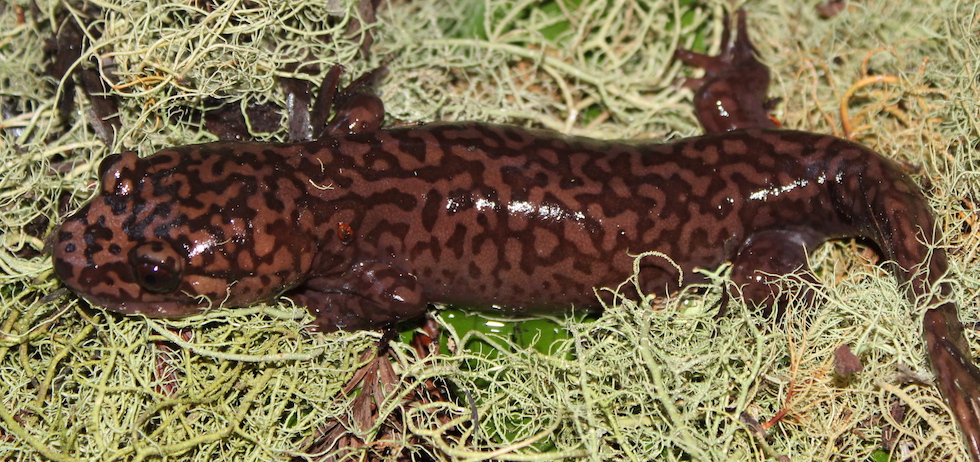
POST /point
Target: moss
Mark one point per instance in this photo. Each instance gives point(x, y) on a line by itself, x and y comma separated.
point(642, 384)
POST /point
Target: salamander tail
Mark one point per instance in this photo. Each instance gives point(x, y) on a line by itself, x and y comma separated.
point(957, 377)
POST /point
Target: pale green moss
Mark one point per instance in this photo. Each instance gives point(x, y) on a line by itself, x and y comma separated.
point(636, 384)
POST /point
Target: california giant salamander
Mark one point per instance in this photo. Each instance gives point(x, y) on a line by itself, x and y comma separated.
point(367, 226)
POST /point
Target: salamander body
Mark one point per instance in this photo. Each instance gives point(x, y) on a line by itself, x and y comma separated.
point(367, 228)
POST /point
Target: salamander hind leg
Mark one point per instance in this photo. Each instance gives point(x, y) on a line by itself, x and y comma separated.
point(760, 262)
point(371, 295)
point(732, 93)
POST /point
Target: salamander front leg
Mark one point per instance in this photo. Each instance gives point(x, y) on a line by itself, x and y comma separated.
point(369, 296)
point(357, 108)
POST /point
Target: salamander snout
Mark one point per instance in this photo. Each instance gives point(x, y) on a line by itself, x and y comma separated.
point(130, 276)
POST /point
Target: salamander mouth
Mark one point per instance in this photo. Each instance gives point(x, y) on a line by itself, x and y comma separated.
point(153, 309)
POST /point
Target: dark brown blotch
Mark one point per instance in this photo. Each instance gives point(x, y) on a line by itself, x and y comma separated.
point(457, 241)
point(474, 271)
point(431, 210)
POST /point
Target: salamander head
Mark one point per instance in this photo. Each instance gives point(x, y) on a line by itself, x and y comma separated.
point(168, 236)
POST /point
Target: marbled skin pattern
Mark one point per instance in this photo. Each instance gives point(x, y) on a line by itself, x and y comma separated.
point(365, 228)
point(469, 214)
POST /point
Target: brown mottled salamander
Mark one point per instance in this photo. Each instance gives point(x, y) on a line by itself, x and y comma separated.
point(366, 226)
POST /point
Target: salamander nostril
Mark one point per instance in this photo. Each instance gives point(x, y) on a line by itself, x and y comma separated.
point(63, 269)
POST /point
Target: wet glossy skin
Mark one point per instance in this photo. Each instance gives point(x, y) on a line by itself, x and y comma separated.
point(458, 213)
point(366, 228)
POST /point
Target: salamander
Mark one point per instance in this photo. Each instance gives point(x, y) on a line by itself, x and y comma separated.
point(366, 225)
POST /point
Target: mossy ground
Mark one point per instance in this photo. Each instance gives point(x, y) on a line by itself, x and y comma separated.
point(77, 383)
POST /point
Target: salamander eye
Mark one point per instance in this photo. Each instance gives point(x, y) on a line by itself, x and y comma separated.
point(107, 163)
point(120, 173)
point(156, 267)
